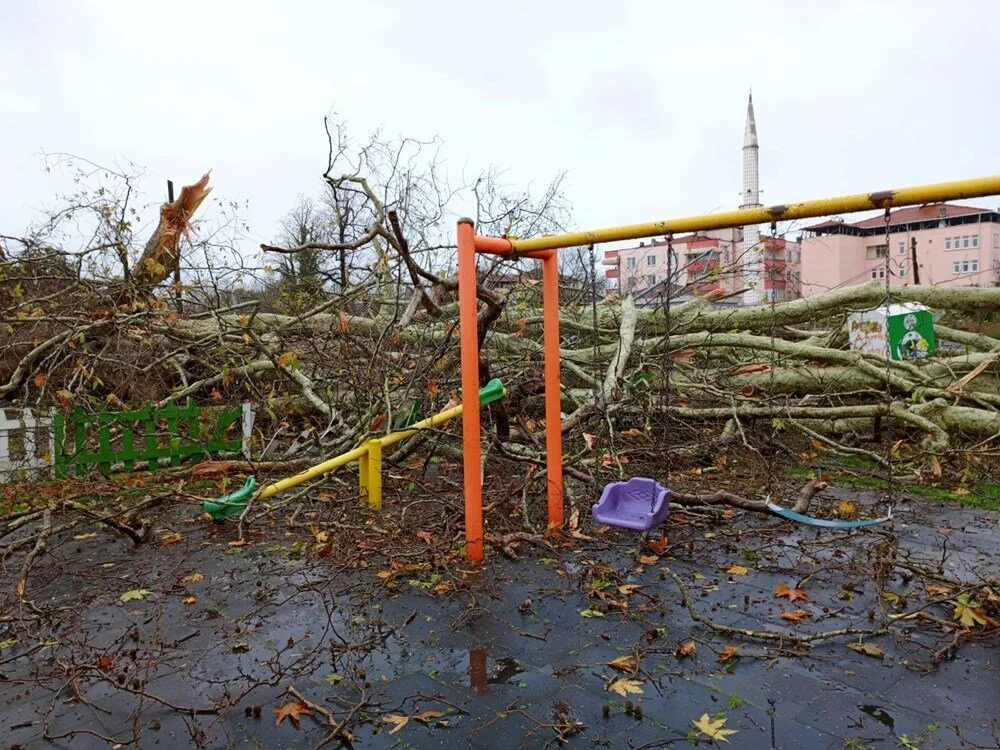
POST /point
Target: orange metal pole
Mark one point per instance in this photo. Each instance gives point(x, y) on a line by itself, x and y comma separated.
point(553, 394)
point(471, 460)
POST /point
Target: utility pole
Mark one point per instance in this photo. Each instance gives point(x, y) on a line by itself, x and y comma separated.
point(177, 268)
point(913, 257)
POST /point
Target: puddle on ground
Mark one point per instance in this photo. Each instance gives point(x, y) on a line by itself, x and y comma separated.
point(879, 714)
point(503, 671)
point(480, 677)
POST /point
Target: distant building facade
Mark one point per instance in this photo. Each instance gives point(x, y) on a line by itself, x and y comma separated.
point(954, 246)
point(703, 264)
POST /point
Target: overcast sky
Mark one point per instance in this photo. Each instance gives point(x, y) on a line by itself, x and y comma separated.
point(642, 103)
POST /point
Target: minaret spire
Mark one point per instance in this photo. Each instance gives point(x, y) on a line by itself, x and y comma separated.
point(750, 134)
point(752, 255)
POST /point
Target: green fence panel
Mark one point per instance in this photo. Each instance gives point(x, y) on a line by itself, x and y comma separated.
point(85, 440)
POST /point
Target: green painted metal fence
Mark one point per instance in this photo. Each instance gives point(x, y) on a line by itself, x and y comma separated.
point(167, 436)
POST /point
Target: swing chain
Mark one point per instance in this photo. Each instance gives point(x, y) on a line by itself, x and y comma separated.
point(666, 399)
point(888, 361)
point(773, 355)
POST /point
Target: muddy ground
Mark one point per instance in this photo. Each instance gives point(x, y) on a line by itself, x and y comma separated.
point(372, 631)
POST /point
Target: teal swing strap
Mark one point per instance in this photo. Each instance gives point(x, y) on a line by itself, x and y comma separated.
point(791, 515)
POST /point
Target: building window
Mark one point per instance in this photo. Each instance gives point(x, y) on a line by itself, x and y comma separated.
point(876, 251)
point(631, 262)
point(996, 239)
point(975, 240)
point(965, 266)
point(975, 266)
point(902, 248)
point(956, 267)
point(650, 260)
point(874, 274)
point(902, 272)
point(947, 243)
point(651, 279)
point(965, 241)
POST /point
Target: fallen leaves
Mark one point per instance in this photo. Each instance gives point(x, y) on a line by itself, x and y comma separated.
point(737, 570)
point(625, 687)
point(135, 595)
point(847, 509)
point(969, 613)
point(398, 721)
point(660, 545)
point(648, 559)
point(289, 359)
point(868, 649)
point(687, 648)
point(171, 538)
point(425, 536)
point(713, 728)
point(591, 613)
point(191, 599)
point(784, 590)
point(728, 653)
point(293, 710)
point(427, 716)
point(193, 578)
point(627, 663)
point(796, 615)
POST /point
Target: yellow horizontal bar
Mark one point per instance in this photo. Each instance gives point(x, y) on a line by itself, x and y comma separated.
point(443, 416)
point(912, 196)
point(313, 471)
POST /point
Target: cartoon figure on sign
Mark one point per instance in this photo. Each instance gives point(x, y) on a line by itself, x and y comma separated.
point(912, 346)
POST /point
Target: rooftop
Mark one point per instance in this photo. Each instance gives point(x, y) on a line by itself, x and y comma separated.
point(926, 214)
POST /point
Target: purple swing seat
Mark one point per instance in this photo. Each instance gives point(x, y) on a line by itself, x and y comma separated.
point(638, 504)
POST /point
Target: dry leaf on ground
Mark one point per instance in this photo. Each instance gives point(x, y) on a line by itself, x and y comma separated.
point(293, 710)
point(625, 686)
point(713, 728)
point(628, 663)
point(398, 721)
point(783, 589)
point(868, 649)
point(727, 653)
point(796, 615)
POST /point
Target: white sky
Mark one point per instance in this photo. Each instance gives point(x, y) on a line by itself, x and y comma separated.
point(641, 102)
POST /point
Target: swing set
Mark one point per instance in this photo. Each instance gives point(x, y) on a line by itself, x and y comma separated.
point(368, 455)
point(546, 248)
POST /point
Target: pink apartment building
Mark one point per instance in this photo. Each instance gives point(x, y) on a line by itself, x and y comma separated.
point(703, 264)
point(955, 246)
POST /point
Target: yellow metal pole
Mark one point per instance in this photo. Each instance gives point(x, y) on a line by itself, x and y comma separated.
point(375, 474)
point(363, 476)
point(911, 196)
